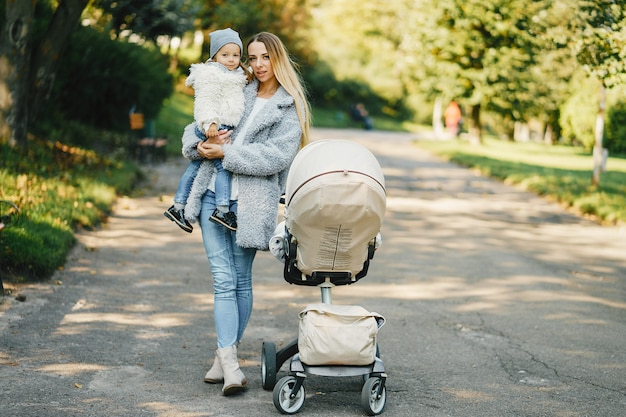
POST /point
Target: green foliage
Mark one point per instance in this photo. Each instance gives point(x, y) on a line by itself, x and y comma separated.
point(288, 19)
point(359, 56)
point(115, 144)
point(616, 129)
point(498, 55)
point(601, 46)
point(579, 112)
point(149, 18)
point(511, 58)
point(101, 80)
point(558, 172)
point(329, 85)
point(173, 117)
point(326, 90)
point(58, 189)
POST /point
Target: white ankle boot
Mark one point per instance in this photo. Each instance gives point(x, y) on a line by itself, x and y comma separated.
point(234, 380)
point(215, 374)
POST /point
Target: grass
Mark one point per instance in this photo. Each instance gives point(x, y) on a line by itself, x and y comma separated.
point(58, 190)
point(557, 172)
point(323, 117)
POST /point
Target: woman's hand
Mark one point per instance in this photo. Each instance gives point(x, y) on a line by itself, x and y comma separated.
point(212, 147)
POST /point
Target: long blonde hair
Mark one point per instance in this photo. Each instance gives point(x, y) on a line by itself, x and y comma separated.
point(288, 77)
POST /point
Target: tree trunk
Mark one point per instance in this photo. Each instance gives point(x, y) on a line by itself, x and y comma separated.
point(598, 151)
point(46, 58)
point(437, 119)
point(15, 52)
point(475, 129)
point(26, 77)
point(548, 135)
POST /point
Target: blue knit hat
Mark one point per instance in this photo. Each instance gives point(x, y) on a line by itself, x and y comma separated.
point(222, 37)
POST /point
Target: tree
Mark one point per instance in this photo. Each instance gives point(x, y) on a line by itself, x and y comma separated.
point(28, 71)
point(491, 55)
point(289, 19)
point(114, 77)
point(15, 49)
point(47, 56)
point(149, 18)
point(601, 49)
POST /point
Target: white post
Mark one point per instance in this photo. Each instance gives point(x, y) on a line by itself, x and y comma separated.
point(437, 122)
point(598, 150)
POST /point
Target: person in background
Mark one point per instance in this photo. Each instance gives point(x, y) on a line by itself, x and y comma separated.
point(452, 115)
point(258, 152)
point(359, 113)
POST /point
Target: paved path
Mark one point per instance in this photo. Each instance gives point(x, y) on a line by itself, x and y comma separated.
point(498, 303)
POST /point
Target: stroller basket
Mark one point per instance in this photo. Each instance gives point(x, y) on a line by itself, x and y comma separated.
point(334, 205)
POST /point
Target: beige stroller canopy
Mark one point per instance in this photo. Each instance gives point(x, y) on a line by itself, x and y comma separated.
point(334, 205)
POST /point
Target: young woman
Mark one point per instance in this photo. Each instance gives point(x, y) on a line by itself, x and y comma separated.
point(274, 126)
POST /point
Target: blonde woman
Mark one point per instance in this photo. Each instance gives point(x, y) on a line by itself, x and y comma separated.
point(259, 152)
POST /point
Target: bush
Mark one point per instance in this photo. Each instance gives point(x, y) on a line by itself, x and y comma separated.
point(101, 80)
point(578, 114)
point(616, 128)
point(116, 145)
point(327, 92)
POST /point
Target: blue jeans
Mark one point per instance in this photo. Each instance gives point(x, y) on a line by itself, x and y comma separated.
point(231, 267)
point(222, 178)
point(185, 182)
point(222, 184)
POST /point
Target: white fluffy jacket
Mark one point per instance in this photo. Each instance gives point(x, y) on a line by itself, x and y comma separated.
point(261, 161)
point(218, 94)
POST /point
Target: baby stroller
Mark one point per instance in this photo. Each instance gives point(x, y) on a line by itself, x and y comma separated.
point(334, 204)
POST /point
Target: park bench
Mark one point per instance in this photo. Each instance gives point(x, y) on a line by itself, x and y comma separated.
point(144, 147)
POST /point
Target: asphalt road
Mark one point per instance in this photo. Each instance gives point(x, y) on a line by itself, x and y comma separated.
point(498, 303)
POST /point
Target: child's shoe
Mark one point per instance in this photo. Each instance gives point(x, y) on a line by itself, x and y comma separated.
point(228, 220)
point(178, 217)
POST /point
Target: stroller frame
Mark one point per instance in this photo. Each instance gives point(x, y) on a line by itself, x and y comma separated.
point(289, 392)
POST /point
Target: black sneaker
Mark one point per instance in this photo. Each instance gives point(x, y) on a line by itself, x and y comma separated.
point(178, 217)
point(228, 220)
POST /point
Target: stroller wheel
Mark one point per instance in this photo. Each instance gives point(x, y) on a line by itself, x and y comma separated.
point(268, 365)
point(282, 396)
point(373, 403)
